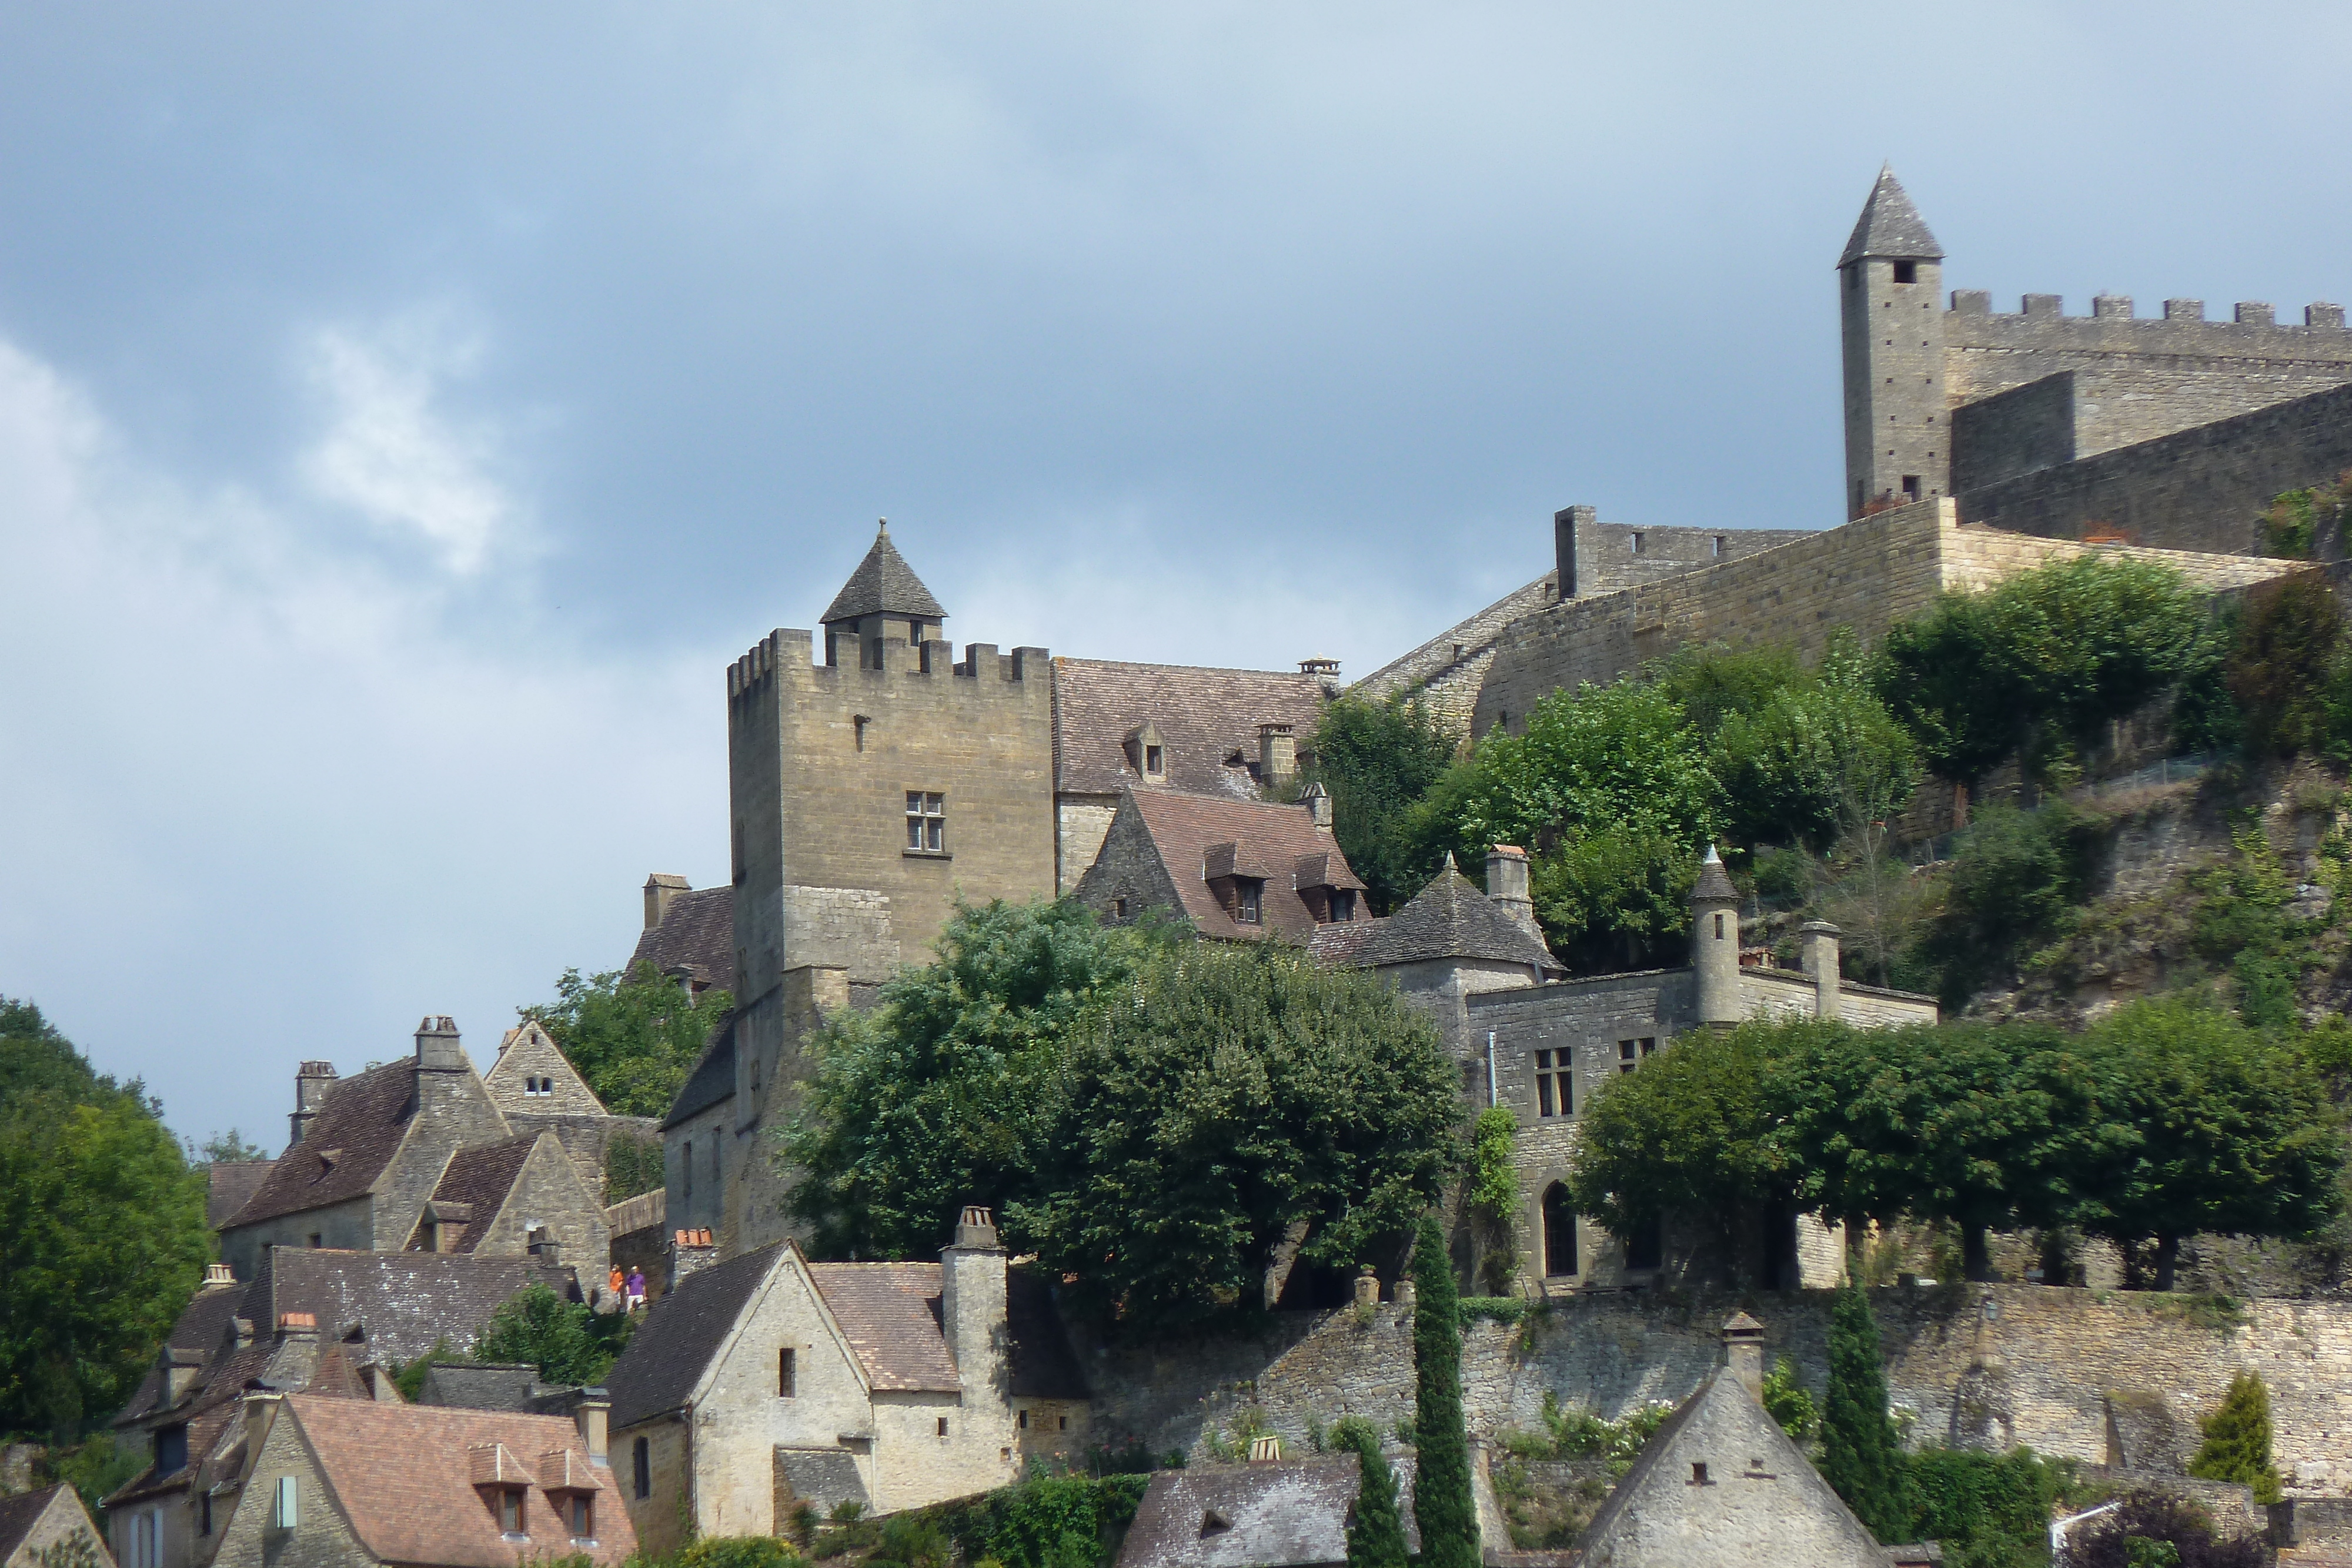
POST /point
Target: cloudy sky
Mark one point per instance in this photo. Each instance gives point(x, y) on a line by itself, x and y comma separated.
point(405, 412)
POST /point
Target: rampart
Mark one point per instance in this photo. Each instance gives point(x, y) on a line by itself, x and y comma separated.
point(2105, 1377)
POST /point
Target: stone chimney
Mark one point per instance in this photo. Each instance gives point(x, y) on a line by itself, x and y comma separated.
point(1277, 753)
point(260, 1409)
point(437, 1046)
point(972, 1307)
point(1317, 802)
point(1368, 1287)
point(689, 1251)
point(545, 1249)
point(218, 1274)
point(1506, 884)
point(1818, 946)
point(1715, 942)
point(311, 1081)
point(660, 889)
point(594, 1412)
point(1743, 1351)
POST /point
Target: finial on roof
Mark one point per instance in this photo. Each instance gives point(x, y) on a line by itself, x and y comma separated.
point(1710, 858)
point(1714, 884)
point(1448, 865)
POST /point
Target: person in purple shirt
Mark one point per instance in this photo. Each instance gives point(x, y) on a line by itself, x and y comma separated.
point(637, 1288)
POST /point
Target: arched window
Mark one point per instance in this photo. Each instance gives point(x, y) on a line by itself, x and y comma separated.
point(1559, 1232)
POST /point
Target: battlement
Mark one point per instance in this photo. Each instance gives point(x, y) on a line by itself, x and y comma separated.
point(2115, 325)
point(791, 650)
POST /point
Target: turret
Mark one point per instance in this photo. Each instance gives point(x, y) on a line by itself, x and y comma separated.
point(883, 605)
point(1715, 942)
point(1898, 438)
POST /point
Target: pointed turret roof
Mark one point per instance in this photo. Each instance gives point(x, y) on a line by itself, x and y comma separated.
point(883, 584)
point(1713, 882)
point(1451, 918)
point(1890, 225)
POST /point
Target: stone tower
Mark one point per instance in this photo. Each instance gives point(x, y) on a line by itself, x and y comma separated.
point(1715, 942)
point(1898, 443)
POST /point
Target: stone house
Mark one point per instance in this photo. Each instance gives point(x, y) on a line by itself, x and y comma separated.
point(537, 1089)
point(50, 1529)
point(1271, 1512)
point(418, 1156)
point(350, 1481)
point(766, 1381)
point(1238, 870)
point(689, 933)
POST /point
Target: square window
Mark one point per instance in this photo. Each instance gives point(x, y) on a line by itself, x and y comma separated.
point(1906, 272)
point(943, 1426)
point(926, 822)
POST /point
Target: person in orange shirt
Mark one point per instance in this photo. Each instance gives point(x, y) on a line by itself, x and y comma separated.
point(617, 1286)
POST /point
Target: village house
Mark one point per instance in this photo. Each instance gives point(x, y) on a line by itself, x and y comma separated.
point(50, 1529)
point(1234, 869)
point(767, 1382)
point(1271, 1512)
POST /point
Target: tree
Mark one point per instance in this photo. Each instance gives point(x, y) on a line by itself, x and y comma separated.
point(2214, 1128)
point(1235, 1109)
point(102, 1225)
point(2289, 637)
point(2236, 1446)
point(2016, 875)
point(1376, 1536)
point(941, 1096)
point(1818, 761)
point(226, 1148)
point(632, 1036)
point(1615, 896)
point(1441, 1443)
point(1494, 1194)
point(1861, 1456)
point(565, 1339)
point(1376, 758)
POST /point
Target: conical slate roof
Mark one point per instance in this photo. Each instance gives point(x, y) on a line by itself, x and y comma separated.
point(1890, 225)
point(1451, 918)
point(884, 584)
point(1713, 882)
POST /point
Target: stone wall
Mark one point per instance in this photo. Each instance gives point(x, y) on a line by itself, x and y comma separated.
point(2014, 431)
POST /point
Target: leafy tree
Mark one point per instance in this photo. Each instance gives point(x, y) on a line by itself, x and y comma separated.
point(941, 1096)
point(1441, 1443)
point(1861, 1456)
point(1377, 758)
point(632, 1036)
point(631, 1166)
point(1494, 1192)
point(102, 1224)
point(2152, 1528)
point(1786, 1400)
point(2290, 637)
point(226, 1148)
point(1376, 1533)
point(1818, 761)
point(2236, 1446)
point(2016, 877)
point(1616, 896)
point(2216, 1128)
point(1989, 1510)
point(1715, 683)
point(559, 1337)
point(1232, 1108)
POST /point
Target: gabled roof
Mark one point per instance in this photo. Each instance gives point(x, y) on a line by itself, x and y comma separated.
point(483, 1176)
point(403, 1478)
point(1450, 918)
point(681, 1334)
point(202, 1326)
point(357, 1130)
point(229, 1185)
point(713, 1078)
point(1277, 1514)
point(19, 1515)
point(883, 584)
point(1890, 225)
point(889, 1314)
point(696, 931)
point(1200, 836)
point(1204, 717)
point(403, 1302)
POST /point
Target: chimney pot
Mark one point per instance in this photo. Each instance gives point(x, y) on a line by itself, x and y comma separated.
point(219, 1274)
point(439, 1047)
point(1264, 1450)
point(1367, 1288)
point(1318, 801)
point(1743, 1349)
point(662, 890)
point(1507, 886)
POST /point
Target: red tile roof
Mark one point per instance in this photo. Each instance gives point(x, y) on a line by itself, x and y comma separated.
point(890, 1315)
point(1200, 836)
point(1204, 717)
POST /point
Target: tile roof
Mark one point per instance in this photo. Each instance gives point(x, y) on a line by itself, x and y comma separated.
point(1890, 225)
point(403, 1302)
point(1450, 918)
point(1279, 1514)
point(1196, 835)
point(357, 1130)
point(19, 1514)
point(229, 1183)
point(698, 930)
point(713, 1078)
point(483, 1176)
point(883, 584)
point(481, 1385)
point(402, 1478)
point(1204, 717)
point(202, 1326)
point(681, 1334)
point(889, 1312)
point(1341, 946)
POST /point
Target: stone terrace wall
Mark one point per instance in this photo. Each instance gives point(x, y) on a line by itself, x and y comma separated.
point(2092, 1376)
point(1446, 671)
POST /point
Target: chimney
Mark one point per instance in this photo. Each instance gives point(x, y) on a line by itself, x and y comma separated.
point(1506, 884)
point(688, 1251)
point(1743, 1351)
point(1564, 525)
point(1368, 1287)
point(218, 1274)
point(971, 1306)
point(1277, 753)
point(594, 1412)
point(1715, 942)
point(260, 1409)
point(311, 1081)
point(297, 1325)
point(1317, 802)
point(437, 1047)
point(1818, 944)
point(1265, 1450)
point(660, 889)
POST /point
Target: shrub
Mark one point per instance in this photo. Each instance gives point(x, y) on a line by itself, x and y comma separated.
point(738, 1551)
point(2124, 1538)
point(2236, 1446)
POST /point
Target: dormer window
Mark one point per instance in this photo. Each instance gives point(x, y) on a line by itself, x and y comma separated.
point(1147, 751)
point(1343, 905)
point(583, 1516)
point(1155, 760)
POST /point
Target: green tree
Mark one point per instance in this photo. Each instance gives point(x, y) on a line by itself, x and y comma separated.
point(631, 1166)
point(632, 1036)
point(2236, 1446)
point(1819, 762)
point(1235, 1109)
point(1376, 1533)
point(538, 1327)
point(1376, 758)
point(1786, 1400)
point(224, 1149)
point(102, 1224)
point(1861, 1456)
point(1715, 683)
point(1494, 1194)
point(2290, 639)
point(2015, 880)
point(2215, 1127)
point(1615, 896)
point(941, 1096)
point(1441, 1442)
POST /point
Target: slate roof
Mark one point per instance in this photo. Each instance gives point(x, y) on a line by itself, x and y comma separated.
point(889, 1312)
point(1450, 918)
point(481, 1385)
point(697, 930)
point(403, 1478)
point(1341, 946)
point(681, 1332)
point(483, 1176)
point(1204, 717)
point(1713, 882)
point(229, 1183)
point(713, 1078)
point(19, 1514)
point(883, 584)
point(202, 1326)
point(1890, 225)
point(403, 1302)
point(1285, 1513)
point(1258, 837)
point(357, 1130)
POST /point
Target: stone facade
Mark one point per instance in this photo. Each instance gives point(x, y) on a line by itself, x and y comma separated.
point(47, 1522)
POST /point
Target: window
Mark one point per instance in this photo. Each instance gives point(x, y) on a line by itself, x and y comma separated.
point(171, 1450)
point(641, 1460)
point(1119, 909)
point(1558, 1233)
point(1906, 272)
point(1155, 760)
point(787, 1374)
point(1024, 1421)
point(714, 1162)
point(1718, 924)
point(1343, 907)
point(285, 1504)
point(1637, 544)
point(1718, 544)
point(1625, 1049)
point(583, 1517)
point(686, 1164)
point(1249, 900)
point(943, 1426)
point(1554, 1095)
point(1062, 1423)
point(203, 1513)
point(1698, 1466)
point(318, 1239)
point(927, 824)
point(1910, 487)
point(511, 1510)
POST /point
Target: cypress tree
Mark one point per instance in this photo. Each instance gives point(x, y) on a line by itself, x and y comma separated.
point(2236, 1446)
point(1440, 1488)
point(1860, 1455)
point(1376, 1534)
